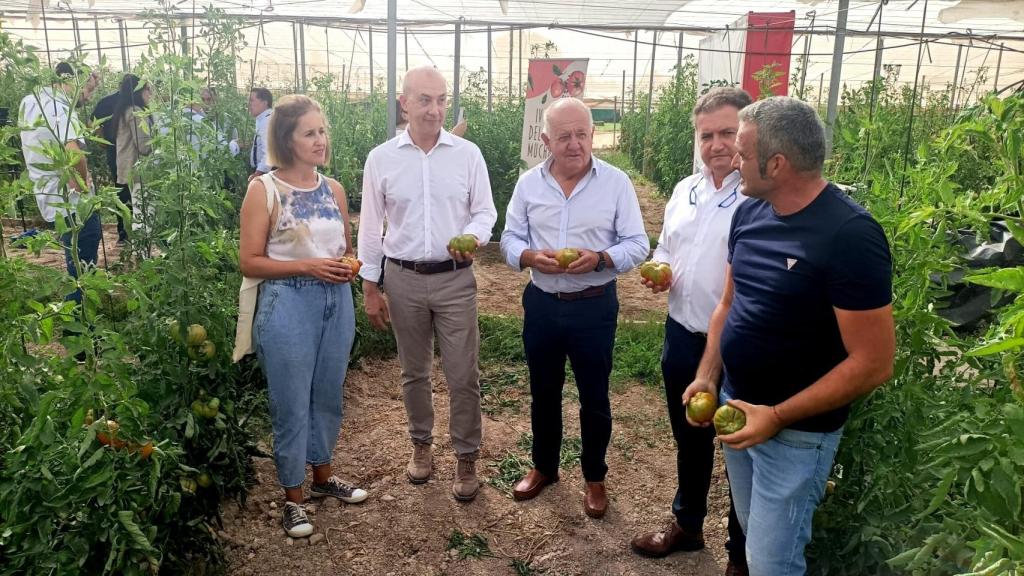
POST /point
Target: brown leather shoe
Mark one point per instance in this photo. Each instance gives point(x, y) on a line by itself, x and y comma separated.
point(530, 485)
point(736, 570)
point(595, 500)
point(672, 539)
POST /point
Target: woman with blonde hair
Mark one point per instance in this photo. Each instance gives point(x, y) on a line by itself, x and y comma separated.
point(304, 324)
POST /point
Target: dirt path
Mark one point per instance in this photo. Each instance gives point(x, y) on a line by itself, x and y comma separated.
point(108, 253)
point(404, 529)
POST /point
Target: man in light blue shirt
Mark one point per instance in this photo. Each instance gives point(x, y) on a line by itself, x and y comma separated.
point(261, 103)
point(578, 202)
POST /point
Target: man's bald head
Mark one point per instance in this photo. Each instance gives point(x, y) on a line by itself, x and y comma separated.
point(416, 78)
point(565, 108)
point(425, 100)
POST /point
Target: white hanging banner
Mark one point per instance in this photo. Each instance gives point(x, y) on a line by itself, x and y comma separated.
point(548, 80)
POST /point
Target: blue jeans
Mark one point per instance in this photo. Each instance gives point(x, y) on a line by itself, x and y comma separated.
point(776, 486)
point(88, 248)
point(303, 331)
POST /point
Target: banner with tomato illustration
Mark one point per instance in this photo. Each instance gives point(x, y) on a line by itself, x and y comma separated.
point(548, 79)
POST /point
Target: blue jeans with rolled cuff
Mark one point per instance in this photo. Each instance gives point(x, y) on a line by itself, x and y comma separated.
point(303, 330)
point(776, 487)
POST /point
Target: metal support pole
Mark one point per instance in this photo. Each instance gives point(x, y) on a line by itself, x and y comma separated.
point(807, 54)
point(78, 33)
point(46, 34)
point(875, 80)
point(351, 60)
point(406, 34)
point(458, 64)
point(837, 74)
point(636, 46)
point(963, 77)
point(489, 70)
point(623, 100)
point(879, 49)
point(679, 52)
point(327, 47)
point(511, 44)
point(122, 35)
point(393, 64)
point(371, 62)
point(999, 67)
point(913, 102)
point(520, 62)
point(184, 40)
point(956, 78)
point(650, 83)
point(302, 54)
point(615, 121)
point(99, 49)
point(821, 89)
point(295, 58)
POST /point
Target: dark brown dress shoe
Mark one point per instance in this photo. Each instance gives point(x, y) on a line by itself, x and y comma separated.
point(736, 570)
point(531, 484)
point(672, 539)
point(595, 500)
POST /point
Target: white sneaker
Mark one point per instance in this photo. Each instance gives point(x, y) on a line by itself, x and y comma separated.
point(296, 523)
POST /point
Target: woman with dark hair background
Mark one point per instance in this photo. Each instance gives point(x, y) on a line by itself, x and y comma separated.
point(133, 141)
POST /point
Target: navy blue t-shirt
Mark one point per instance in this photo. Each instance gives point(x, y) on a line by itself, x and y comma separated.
point(789, 272)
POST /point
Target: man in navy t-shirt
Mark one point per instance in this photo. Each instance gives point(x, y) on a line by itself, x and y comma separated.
point(804, 327)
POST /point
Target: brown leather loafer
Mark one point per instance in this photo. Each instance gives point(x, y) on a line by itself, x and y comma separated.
point(672, 539)
point(595, 500)
point(736, 570)
point(531, 484)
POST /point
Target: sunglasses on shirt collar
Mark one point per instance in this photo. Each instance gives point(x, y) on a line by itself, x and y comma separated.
point(729, 200)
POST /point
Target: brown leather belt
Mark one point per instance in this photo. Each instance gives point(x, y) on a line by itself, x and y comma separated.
point(431, 267)
point(592, 292)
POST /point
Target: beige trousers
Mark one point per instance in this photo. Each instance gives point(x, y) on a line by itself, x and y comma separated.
point(422, 305)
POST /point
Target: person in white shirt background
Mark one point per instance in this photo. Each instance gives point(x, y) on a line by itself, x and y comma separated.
point(430, 186)
point(47, 116)
point(261, 103)
point(694, 242)
point(572, 200)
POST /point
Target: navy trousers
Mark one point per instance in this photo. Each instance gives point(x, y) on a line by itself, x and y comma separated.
point(695, 448)
point(583, 331)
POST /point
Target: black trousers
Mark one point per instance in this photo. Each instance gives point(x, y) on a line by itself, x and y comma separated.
point(124, 194)
point(695, 448)
point(584, 332)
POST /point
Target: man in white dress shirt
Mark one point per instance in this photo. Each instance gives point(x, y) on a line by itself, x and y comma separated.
point(430, 186)
point(261, 103)
point(572, 200)
point(46, 118)
point(694, 242)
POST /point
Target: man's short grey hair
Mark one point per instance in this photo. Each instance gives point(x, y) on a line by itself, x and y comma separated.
point(720, 97)
point(561, 104)
point(789, 127)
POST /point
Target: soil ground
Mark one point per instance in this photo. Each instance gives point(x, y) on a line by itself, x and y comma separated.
point(404, 529)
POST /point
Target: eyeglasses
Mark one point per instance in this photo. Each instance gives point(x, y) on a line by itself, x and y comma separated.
point(729, 200)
